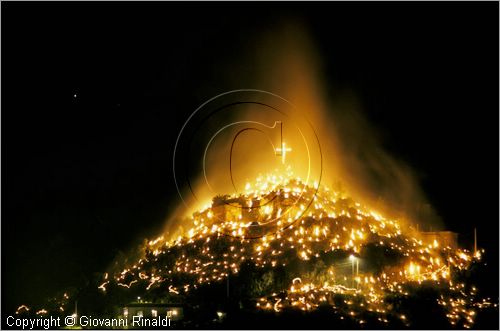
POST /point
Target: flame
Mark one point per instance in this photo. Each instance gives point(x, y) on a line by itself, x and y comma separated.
point(330, 223)
point(305, 223)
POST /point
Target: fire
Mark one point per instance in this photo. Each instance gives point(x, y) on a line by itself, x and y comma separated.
point(316, 224)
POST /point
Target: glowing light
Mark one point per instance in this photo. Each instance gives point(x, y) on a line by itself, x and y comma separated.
point(21, 308)
point(282, 151)
point(332, 224)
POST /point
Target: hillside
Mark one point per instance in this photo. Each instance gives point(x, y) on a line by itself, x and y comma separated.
point(289, 246)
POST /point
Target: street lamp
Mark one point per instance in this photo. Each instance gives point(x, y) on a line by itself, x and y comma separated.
point(354, 260)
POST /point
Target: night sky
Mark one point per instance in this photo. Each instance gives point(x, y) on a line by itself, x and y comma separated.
point(93, 96)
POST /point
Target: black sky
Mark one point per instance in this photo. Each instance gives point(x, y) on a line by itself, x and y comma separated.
point(93, 96)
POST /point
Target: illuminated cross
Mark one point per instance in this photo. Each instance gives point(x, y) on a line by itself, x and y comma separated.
point(282, 152)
